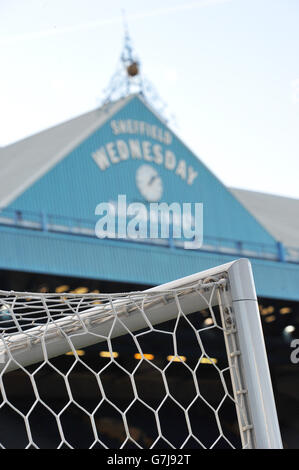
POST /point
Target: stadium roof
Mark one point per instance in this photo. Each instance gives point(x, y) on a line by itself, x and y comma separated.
point(25, 161)
point(278, 214)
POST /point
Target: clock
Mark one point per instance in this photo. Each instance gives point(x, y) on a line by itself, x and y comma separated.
point(149, 183)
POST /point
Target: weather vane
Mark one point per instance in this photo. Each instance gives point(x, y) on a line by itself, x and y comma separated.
point(128, 79)
point(128, 58)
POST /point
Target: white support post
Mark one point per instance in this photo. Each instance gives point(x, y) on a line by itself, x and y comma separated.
point(254, 357)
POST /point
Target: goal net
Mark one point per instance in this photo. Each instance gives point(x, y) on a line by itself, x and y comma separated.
point(182, 365)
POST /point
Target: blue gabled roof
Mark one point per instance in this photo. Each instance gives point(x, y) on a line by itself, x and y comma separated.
point(59, 195)
point(75, 184)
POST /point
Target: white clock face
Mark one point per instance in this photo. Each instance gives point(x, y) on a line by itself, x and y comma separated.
point(149, 183)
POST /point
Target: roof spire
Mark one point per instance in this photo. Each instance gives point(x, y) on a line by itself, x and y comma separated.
point(128, 78)
point(128, 58)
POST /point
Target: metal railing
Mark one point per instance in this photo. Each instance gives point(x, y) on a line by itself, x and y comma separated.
point(86, 227)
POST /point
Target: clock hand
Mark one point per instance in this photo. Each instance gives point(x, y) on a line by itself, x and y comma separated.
point(152, 180)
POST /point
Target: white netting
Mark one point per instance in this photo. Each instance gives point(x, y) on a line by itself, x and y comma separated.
point(154, 369)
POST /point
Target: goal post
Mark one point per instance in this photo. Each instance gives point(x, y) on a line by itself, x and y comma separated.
point(254, 357)
point(38, 330)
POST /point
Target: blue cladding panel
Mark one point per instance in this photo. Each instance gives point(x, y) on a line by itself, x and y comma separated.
point(66, 255)
point(75, 186)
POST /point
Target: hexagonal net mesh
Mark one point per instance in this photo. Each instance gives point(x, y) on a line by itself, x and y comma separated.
point(153, 369)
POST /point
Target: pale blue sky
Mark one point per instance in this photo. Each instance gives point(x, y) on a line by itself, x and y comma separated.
point(228, 70)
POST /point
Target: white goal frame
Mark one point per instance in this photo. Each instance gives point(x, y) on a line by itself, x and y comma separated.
point(243, 336)
point(245, 314)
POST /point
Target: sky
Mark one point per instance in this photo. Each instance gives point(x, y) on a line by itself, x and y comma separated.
point(227, 69)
